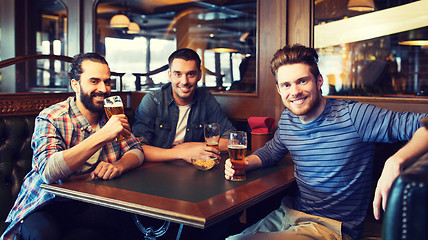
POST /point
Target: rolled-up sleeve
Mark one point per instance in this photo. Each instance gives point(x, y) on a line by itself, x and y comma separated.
point(45, 143)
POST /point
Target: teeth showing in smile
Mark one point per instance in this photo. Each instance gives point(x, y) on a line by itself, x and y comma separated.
point(184, 89)
point(298, 101)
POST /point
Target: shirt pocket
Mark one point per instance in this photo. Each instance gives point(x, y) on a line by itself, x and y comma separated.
point(163, 125)
point(197, 132)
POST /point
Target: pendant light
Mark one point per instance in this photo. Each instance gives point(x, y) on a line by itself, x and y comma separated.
point(119, 21)
point(133, 28)
point(361, 5)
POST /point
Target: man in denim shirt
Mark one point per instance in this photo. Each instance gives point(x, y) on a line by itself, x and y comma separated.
point(170, 121)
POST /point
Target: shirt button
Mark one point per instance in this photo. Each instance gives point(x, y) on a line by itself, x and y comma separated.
point(187, 129)
point(161, 125)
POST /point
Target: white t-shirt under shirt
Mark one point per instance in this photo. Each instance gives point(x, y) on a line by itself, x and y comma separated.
point(183, 117)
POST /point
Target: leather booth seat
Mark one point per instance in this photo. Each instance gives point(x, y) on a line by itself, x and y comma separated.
point(406, 215)
point(15, 159)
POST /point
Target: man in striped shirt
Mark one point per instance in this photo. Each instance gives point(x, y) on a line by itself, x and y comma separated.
point(332, 145)
point(73, 138)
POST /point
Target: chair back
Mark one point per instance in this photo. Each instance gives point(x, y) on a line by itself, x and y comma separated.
point(406, 215)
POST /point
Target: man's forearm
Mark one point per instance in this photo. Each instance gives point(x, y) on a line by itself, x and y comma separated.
point(254, 162)
point(74, 157)
point(155, 154)
point(415, 148)
point(130, 160)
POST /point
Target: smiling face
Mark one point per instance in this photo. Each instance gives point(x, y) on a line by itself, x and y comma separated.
point(93, 86)
point(184, 76)
point(300, 91)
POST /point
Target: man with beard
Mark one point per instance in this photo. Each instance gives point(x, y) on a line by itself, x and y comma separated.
point(170, 122)
point(331, 142)
point(72, 138)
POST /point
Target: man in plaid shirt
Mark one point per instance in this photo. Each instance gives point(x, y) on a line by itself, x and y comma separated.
point(73, 138)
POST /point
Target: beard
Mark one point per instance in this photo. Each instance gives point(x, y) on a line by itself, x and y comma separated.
point(88, 101)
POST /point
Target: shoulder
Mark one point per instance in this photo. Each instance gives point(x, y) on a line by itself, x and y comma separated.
point(57, 110)
point(346, 105)
point(203, 94)
point(162, 94)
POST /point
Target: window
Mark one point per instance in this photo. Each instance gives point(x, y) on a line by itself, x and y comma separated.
point(368, 53)
point(222, 33)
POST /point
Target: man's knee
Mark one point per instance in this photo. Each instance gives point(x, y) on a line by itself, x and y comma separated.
point(40, 225)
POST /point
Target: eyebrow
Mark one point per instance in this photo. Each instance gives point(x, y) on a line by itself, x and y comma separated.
point(99, 79)
point(192, 72)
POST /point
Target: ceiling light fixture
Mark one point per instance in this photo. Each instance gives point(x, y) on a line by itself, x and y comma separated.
point(416, 37)
point(119, 21)
point(133, 28)
point(361, 5)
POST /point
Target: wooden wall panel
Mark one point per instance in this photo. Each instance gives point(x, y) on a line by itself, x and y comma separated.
point(300, 22)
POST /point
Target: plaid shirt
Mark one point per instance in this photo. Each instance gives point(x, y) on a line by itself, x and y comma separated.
point(57, 128)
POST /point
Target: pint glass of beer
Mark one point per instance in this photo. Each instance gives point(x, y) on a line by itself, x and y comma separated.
point(113, 105)
point(237, 147)
point(212, 134)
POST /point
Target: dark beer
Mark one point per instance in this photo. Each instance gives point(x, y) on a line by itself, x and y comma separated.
point(237, 154)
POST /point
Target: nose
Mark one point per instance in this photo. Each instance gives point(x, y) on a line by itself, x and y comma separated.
point(102, 87)
point(184, 79)
point(295, 90)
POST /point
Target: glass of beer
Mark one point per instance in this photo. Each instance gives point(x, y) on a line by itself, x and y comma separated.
point(113, 105)
point(212, 134)
point(237, 147)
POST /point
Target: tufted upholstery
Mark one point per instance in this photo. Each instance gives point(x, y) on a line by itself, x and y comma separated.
point(15, 159)
point(406, 215)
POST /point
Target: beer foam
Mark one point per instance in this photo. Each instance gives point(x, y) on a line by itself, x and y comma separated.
point(115, 104)
point(236, 146)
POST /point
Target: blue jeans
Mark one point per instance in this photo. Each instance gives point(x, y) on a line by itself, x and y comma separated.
point(68, 219)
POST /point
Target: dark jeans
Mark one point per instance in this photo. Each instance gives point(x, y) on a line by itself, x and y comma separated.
point(68, 219)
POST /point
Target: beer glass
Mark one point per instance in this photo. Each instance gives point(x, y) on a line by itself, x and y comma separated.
point(237, 147)
point(113, 105)
point(212, 134)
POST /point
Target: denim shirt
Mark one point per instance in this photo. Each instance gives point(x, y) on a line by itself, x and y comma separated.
point(157, 115)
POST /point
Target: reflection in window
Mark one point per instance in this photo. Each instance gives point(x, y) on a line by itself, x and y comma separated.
point(51, 39)
point(364, 53)
point(222, 32)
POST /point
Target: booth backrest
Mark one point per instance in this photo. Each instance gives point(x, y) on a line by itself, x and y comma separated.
point(406, 215)
point(15, 158)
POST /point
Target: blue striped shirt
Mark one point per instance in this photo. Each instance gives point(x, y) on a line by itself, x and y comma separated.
point(333, 156)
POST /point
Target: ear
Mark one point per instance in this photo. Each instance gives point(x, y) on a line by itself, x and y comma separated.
point(75, 85)
point(277, 88)
point(169, 74)
point(320, 81)
point(199, 75)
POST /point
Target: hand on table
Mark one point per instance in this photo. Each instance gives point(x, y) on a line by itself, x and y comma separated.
point(106, 171)
point(229, 171)
point(189, 149)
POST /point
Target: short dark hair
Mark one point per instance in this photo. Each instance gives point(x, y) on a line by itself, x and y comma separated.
point(76, 65)
point(295, 54)
point(186, 54)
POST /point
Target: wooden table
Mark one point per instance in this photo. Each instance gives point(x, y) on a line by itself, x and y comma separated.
point(178, 192)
